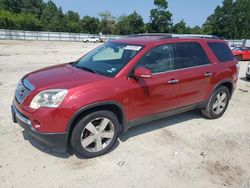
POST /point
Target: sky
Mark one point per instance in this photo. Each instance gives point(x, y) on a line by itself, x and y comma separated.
point(194, 12)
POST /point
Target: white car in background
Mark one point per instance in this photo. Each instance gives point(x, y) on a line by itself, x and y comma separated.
point(248, 72)
point(92, 39)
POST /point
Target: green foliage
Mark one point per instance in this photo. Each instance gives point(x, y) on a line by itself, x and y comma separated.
point(231, 20)
point(72, 22)
point(160, 17)
point(90, 25)
point(195, 30)
point(23, 21)
point(34, 7)
point(131, 24)
point(7, 20)
point(52, 17)
point(107, 23)
point(27, 21)
point(180, 28)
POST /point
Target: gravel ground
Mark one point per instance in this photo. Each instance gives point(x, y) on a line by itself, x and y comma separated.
point(186, 150)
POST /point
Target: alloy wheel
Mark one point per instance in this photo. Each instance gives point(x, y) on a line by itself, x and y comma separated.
point(97, 134)
point(220, 102)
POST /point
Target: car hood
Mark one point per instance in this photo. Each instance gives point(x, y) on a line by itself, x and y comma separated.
point(63, 76)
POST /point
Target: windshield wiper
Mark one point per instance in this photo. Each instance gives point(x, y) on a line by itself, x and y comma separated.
point(87, 69)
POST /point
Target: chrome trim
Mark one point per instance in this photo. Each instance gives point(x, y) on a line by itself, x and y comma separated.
point(181, 69)
point(23, 89)
point(28, 85)
point(21, 117)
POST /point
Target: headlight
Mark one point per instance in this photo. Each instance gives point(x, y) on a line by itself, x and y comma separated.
point(49, 98)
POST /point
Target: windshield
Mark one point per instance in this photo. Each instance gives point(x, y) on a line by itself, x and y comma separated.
point(108, 59)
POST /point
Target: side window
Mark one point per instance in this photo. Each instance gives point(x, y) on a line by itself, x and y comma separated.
point(189, 54)
point(159, 59)
point(221, 51)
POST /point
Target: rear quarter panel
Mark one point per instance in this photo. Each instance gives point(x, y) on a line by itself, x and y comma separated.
point(222, 71)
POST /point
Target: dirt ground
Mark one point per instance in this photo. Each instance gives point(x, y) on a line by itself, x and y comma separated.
point(186, 150)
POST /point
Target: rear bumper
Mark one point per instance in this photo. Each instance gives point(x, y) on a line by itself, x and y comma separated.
point(49, 139)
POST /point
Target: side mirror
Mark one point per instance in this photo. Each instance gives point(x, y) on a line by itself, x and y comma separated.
point(142, 72)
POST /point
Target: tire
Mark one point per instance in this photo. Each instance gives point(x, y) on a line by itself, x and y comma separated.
point(88, 138)
point(247, 77)
point(238, 57)
point(216, 105)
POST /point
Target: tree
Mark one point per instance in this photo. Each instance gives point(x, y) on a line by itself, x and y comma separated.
point(136, 23)
point(71, 22)
point(242, 19)
point(160, 17)
point(24, 21)
point(231, 20)
point(90, 25)
point(107, 24)
point(34, 7)
point(28, 21)
point(196, 30)
point(11, 5)
point(130, 24)
point(180, 28)
point(7, 20)
point(52, 17)
point(23, 6)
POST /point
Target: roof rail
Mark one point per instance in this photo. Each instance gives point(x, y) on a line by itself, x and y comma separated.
point(168, 35)
point(151, 35)
point(194, 36)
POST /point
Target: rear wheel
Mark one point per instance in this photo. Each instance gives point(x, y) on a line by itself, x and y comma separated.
point(95, 134)
point(217, 103)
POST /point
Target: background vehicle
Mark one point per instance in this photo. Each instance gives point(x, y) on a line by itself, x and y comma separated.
point(248, 72)
point(241, 53)
point(88, 103)
point(92, 39)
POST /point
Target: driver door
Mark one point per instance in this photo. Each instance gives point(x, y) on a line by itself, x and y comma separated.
point(160, 93)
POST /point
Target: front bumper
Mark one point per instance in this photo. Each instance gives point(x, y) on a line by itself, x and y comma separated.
point(49, 139)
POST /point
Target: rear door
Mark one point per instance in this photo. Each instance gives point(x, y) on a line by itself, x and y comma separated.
point(195, 72)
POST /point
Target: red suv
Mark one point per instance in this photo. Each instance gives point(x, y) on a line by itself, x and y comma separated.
point(87, 104)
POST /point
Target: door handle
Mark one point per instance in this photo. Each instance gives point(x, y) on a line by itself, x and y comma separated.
point(173, 81)
point(208, 74)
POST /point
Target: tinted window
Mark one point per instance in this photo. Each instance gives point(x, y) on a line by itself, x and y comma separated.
point(222, 51)
point(189, 54)
point(158, 59)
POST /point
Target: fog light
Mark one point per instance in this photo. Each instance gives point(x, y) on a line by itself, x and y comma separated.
point(36, 124)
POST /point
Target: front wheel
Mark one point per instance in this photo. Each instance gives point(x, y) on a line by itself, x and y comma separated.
point(95, 134)
point(217, 104)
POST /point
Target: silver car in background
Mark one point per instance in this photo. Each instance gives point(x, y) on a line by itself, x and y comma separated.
point(92, 39)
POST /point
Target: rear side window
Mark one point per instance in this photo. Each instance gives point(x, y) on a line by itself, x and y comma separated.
point(221, 51)
point(189, 54)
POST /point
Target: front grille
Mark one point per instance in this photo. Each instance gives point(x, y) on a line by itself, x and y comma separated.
point(23, 89)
